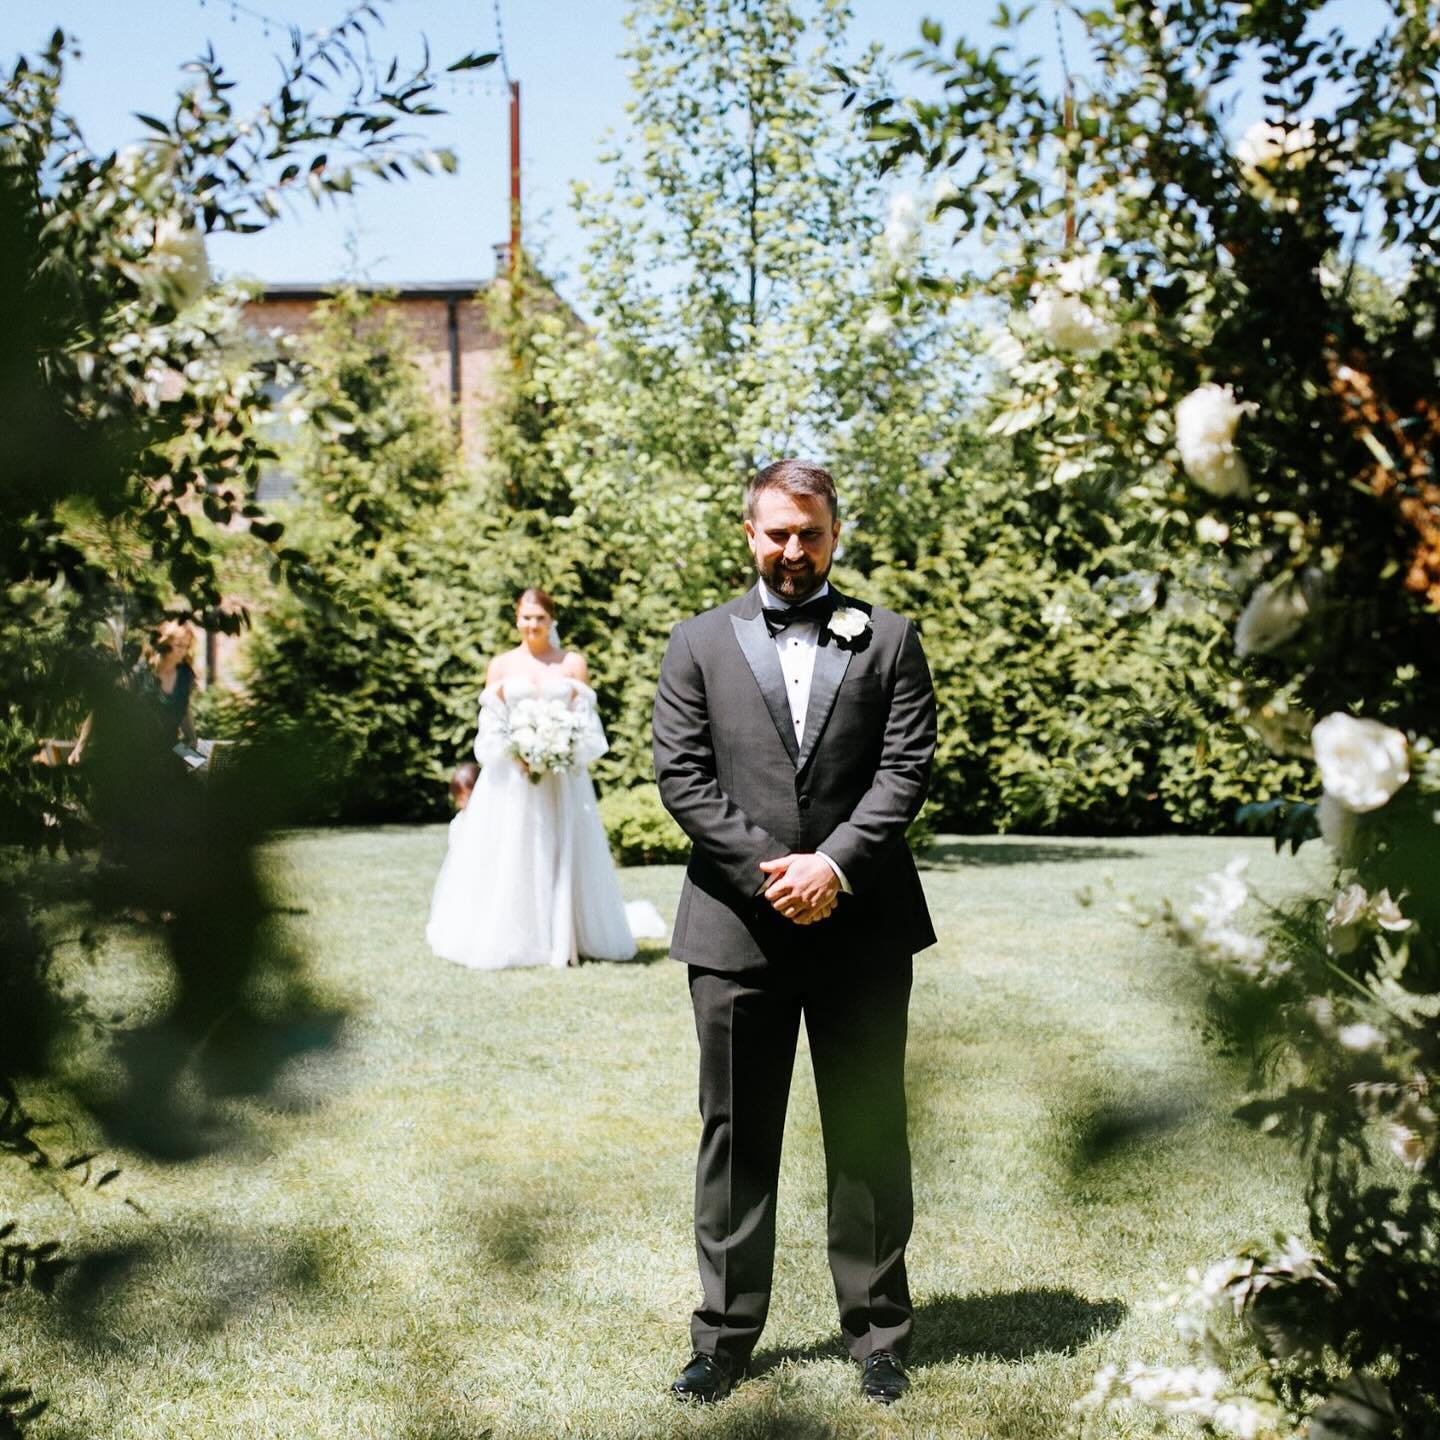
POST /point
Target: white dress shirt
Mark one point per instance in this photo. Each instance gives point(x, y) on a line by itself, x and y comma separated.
point(796, 646)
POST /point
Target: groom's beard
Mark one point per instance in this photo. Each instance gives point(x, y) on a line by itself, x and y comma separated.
point(794, 583)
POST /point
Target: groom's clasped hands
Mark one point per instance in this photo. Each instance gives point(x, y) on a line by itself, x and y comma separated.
point(802, 888)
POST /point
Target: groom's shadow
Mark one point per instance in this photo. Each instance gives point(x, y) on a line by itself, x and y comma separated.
point(1009, 1325)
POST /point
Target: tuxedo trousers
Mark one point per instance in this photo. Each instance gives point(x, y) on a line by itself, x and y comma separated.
point(748, 1024)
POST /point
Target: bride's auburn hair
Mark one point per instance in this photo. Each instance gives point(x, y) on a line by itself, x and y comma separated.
point(534, 595)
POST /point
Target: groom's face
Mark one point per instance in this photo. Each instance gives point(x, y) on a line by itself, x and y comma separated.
point(792, 538)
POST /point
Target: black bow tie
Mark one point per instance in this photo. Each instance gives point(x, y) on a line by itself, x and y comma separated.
point(812, 612)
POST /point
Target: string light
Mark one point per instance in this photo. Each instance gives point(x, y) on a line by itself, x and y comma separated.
point(500, 46)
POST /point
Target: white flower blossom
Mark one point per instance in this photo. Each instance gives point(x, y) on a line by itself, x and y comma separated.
point(1361, 1037)
point(1208, 925)
point(1354, 911)
point(1273, 614)
point(1056, 616)
point(1210, 531)
point(1205, 424)
point(1362, 763)
point(1344, 918)
point(1387, 913)
point(848, 623)
point(1222, 895)
point(1065, 322)
point(1060, 317)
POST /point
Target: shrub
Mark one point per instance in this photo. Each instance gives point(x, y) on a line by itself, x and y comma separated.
point(640, 828)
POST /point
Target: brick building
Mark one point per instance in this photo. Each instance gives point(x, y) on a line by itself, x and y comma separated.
point(456, 350)
point(447, 324)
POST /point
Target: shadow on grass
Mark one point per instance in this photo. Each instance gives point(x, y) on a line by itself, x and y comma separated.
point(123, 1298)
point(1009, 1325)
point(971, 854)
point(647, 952)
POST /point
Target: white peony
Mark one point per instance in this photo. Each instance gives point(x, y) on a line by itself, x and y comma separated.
point(1273, 614)
point(1205, 424)
point(1362, 762)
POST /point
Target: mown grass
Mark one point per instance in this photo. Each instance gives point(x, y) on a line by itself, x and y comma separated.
point(473, 1217)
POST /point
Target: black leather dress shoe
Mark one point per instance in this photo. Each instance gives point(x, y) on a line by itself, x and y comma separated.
point(883, 1377)
point(706, 1378)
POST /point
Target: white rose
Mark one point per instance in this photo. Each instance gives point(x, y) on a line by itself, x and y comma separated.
point(848, 623)
point(1065, 322)
point(1344, 917)
point(1362, 762)
point(1272, 615)
point(1205, 424)
point(1387, 913)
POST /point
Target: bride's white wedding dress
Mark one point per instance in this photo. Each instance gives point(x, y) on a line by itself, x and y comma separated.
point(528, 878)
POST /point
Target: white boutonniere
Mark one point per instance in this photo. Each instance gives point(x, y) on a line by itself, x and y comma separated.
point(848, 623)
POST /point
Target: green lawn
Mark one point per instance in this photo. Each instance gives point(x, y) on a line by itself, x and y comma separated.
point(473, 1217)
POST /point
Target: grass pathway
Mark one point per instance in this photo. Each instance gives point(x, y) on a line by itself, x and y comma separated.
point(473, 1218)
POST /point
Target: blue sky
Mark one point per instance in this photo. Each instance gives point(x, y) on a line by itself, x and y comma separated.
point(564, 53)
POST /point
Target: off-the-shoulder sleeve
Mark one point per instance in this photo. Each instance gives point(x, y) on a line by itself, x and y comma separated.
point(591, 744)
point(491, 736)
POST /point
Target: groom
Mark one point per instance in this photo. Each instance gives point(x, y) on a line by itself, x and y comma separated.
point(794, 730)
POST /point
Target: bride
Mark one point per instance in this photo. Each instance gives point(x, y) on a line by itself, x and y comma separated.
point(528, 878)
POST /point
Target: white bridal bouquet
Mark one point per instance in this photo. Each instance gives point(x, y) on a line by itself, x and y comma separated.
point(544, 734)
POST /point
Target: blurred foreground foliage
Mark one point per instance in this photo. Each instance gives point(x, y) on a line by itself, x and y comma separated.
point(132, 423)
point(1214, 286)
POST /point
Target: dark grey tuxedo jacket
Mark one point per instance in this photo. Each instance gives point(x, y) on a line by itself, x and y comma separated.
point(730, 772)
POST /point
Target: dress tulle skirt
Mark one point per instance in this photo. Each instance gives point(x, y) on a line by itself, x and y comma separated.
point(528, 878)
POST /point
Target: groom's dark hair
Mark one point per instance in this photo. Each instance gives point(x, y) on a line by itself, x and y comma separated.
point(794, 477)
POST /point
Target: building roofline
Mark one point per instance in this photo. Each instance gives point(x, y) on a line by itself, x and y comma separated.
point(400, 289)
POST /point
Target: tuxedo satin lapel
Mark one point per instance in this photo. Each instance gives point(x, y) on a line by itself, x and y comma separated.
point(764, 661)
point(831, 661)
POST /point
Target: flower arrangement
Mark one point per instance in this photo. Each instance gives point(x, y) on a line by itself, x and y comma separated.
point(543, 735)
